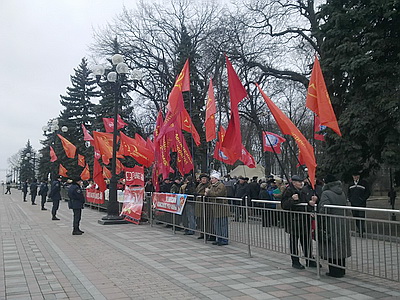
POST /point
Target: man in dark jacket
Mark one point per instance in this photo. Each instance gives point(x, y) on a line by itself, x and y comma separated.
point(76, 202)
point(43, 190)
point(241, 191)
point(33, 190)
point(55, 195)
point(298, 224)
point(25, 189)
point(358, 194)
point(254, 188)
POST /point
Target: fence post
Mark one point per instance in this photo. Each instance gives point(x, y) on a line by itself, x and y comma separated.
point(203, 204)
point(151, 209)
point(247, 225)
point(318, 258)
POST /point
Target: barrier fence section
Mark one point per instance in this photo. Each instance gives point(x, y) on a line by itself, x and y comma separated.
point(371, 243)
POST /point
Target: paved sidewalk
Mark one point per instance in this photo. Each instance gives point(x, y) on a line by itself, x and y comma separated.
point(42, 260)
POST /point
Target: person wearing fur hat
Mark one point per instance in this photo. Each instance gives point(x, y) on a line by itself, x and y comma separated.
point(221, 212)
point(76, 202)
point(334, 233)
point(297, 223)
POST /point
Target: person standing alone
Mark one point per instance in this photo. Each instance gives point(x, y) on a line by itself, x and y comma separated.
point(55, 195)
point(43, 190)
point(358, 194)
point(33, 189)
point(76, 202)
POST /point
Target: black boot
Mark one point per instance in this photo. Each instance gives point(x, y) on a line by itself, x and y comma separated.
point(55, 218)
point(76, 232)
point(80, 230)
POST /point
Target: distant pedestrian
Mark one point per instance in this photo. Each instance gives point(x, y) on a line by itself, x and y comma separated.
point(55, 196)
point(25, 189)
point(8, 188)
point(358, 194)
point(33, 190)
point(43, 190)
point(76, 202)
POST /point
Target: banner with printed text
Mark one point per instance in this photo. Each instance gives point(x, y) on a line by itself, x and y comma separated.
point(134, 176)
point(133, 203)
point(173, 203)
point(94, 196)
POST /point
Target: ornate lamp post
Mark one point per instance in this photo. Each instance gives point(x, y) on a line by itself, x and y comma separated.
point(115, 78)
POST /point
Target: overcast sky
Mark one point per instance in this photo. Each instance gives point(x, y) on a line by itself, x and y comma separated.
point(42, 41)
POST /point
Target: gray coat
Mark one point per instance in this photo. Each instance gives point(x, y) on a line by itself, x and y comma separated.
point(334, 238)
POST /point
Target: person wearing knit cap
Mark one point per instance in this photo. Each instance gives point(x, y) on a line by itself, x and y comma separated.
point(334, 233)
point(220, 212)
point(297, 222)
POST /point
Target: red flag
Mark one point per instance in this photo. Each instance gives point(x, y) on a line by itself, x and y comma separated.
point(220, 154)
point(98, 175)
point(69, 148)
point(86, 135)
point(85, 175)
point(175, 99)
point(119, 167)
point(211, 110)
point(184, 159)
point(81, 160)
point(150, 144)
point(62, 171)
point(233, 136)
point(247, 158)
point(53, 156)
point(187, 125)
point(106, 173)
point(318, 99)
point(287, 127)
point(318, 128)
point(103, 142)
point(109, 123)
point(131, 147)
point(272, 142)
point(161, 151)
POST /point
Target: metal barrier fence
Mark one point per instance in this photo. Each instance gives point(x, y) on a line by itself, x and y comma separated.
point(373, 249)
point(373, 240)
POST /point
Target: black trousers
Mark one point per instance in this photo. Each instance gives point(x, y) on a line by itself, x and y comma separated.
point(359, 223)
point(56, 205)
point(77, 218)
point(24, 193)
point(305, 242)
point(43, 200)
point(33, 197)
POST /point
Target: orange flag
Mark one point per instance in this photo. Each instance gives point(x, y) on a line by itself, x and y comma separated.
point(69, 148)
point(211, 110)
point(318, 99)
point(103, 143)
point(86, 134)
point(132, 147)
point(85, 175)
point(98, 175)
point(187, 125)
point(53, 156)
point(119, 167)
point(81, 160)
point(247, 158)
point(237, 92)
point(287, 127)
point(106, 173)
point(62, 171)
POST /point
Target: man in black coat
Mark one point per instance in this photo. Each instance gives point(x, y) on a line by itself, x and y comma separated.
point(43, 190)
point(76, 202)
point(25, 189)
point(55, 195)
point(242, 191)
point(298, 224)
point(358, 193)
point(33, 190)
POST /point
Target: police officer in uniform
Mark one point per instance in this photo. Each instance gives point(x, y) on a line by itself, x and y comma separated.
point(76, 202)
point(55, 196)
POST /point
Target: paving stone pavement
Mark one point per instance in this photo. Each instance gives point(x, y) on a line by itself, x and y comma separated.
point(40, 259)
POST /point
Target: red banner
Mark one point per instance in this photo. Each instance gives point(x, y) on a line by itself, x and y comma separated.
point(173, 203)
point(133, 204)
point(134, 176)
point(94, 196)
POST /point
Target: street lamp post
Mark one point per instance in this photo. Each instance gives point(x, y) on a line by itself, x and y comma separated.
point(114, 78)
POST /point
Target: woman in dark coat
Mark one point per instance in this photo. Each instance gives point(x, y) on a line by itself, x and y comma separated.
point(334, 233)
point(76, 202)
